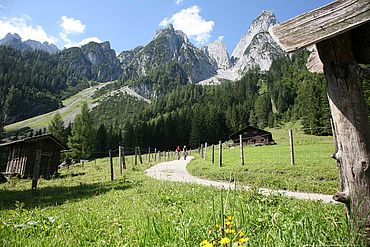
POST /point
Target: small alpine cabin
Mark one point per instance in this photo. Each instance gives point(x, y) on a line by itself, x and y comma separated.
point(253, 136)
point(22, 156)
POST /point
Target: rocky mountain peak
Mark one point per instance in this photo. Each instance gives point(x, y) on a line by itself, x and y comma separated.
point(15, 41)
point(218, 51)
point(9, 37)
point(261, 24)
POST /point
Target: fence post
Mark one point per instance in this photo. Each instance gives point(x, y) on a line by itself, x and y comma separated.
point(140, 158)
point(36, 170)
point(155, 154)
point(241, 150)
point(205, 150)
point(111, 165)
point(291, 146)
point(213, 154)
point(120, 159)
point(202, 150)
point(220, 153)
point(123, 158)
point(135, 156)
point(149, 154)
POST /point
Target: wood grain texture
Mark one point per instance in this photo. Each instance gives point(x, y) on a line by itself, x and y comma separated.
point(321, 24)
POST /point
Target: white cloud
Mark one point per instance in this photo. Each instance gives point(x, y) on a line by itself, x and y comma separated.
point(69, 43)
point(179, 2)
point(25, 29)
point(191, 23)
point(220, 38)
point(71, 25)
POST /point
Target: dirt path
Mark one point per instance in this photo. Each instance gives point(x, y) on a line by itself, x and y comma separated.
point(176, 171)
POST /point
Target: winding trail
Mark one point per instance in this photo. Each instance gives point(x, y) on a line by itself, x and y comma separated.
point(176, 171)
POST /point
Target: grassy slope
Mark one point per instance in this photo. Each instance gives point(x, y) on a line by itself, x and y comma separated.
point(269, 166)
point(71, 108)
point(83, 208)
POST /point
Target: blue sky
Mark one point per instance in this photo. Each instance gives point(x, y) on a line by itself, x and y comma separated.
point(129, 23)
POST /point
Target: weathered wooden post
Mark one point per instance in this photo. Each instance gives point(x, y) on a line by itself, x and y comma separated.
point(120, 159)
point(205, 150)
point(202, 151)
point(149, 154)
point(123, 158)
point(36, 170)
point(291, 146)
point(140, 158)
point(213, 154)
point(155, 154)
point(111, 165)
point(220, 153)
point(135, 156)
point(241, 150)
point(340, 31)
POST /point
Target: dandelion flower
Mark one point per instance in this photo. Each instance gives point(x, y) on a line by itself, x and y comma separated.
point(205, 243)
point(243, 240)
point(225, 241)
point(230, 230)
point(241, 234)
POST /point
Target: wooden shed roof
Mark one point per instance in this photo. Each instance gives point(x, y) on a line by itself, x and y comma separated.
point(236, 134)
point(35, 139)
point(321, 24)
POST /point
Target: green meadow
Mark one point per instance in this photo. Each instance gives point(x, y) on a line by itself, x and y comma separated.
point(82, 207)
point(270, 166)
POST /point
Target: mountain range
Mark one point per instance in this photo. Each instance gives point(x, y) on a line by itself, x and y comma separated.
point(169, 60)
point(15, 41)
point(208, 64)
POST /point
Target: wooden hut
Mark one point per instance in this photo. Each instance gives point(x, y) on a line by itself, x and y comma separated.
point(341, 33)
point(252, 136)
point(22, 156)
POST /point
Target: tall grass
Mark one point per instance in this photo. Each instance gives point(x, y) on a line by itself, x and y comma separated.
point(270, 166)
point(82, 207)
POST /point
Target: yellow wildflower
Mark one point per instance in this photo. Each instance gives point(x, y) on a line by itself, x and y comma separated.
point(228, 223)
point(230, 230)
point(204, 243)
point(241, 234)
point(225, 241)
point(243, 240)
point(229, 218)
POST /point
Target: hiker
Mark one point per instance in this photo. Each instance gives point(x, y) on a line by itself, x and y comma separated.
point(185, 150)
point(178, 152)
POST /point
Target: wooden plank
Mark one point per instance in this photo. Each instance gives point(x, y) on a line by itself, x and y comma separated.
point(321, 24)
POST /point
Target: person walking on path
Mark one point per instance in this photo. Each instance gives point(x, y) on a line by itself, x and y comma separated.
point(185, 151)
point(178, 152)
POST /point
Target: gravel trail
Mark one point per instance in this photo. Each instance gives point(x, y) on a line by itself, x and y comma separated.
point(176, 171)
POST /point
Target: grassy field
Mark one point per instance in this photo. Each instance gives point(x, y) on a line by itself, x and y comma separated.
point(82, 207)
point(71, 108)
point(269, 166)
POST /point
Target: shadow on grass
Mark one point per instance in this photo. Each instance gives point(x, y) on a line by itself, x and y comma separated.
point(57, 195)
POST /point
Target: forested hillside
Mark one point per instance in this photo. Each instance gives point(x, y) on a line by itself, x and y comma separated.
point(35, 82)
point(191, 114)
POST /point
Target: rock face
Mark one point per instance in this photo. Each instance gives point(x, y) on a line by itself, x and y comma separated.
point(166, 46)
point(15, 41)
point(126, 57)
point(92, 61)
point(255, 48)
point(218, 51)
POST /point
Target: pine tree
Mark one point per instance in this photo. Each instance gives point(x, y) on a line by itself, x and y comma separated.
point(82, 138)
point(56, 128)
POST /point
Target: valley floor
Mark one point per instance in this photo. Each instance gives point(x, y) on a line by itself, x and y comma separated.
point(83, 207)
